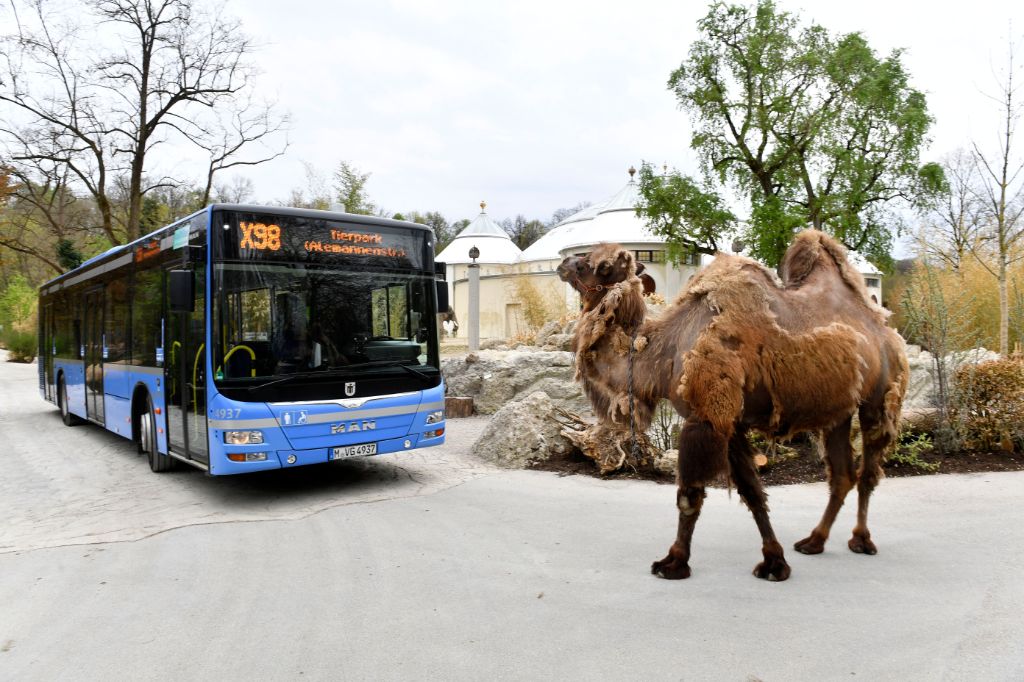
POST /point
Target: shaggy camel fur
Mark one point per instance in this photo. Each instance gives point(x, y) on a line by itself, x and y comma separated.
point(738, 351)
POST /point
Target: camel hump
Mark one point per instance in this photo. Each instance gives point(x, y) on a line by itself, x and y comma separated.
point(813, 250)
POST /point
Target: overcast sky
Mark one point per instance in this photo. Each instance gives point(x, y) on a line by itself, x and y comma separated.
point(539, 105)
point(534, 106)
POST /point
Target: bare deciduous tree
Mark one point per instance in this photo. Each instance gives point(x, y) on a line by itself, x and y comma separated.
point(179, 66)
point(40, 211)
point(953, 215)
point(228, 139)
point(1002, 193)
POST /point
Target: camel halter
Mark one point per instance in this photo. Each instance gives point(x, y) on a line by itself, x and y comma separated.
point(589, 290)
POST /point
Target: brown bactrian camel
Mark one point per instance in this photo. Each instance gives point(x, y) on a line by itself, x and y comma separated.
point(740, 351)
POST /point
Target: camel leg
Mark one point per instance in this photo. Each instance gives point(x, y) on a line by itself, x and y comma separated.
point(877, 440)
point(702, 456)
point(841, 479)
point(676, 566)
point(748, 485)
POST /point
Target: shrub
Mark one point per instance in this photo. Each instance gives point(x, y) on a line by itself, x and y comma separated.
point(22, 346)
point(908, 452)
point(538, 306)
point(18, 305)
point(989, 409)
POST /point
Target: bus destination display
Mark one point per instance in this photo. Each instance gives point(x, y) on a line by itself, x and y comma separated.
point(256, 237)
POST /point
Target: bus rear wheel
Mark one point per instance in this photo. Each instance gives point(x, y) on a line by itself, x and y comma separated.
point(148, 441)
point(65, 411)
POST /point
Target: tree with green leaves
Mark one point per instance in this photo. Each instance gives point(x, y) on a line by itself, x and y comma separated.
point(443, 232)
point(689, 218)
point(350, 189)
point(814, 129)
point(522, 231)
point(68, 255)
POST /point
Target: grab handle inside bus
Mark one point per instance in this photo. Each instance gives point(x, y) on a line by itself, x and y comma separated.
point(182, 291)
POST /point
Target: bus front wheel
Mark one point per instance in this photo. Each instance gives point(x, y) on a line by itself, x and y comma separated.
point(148, 442)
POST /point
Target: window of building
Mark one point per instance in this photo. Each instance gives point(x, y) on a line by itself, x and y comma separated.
point(872, 282)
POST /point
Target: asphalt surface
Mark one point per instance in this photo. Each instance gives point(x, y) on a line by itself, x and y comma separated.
point(433, 565)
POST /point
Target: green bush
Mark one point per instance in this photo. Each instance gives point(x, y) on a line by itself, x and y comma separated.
point(22, 346)
point(908, 452)
point(18, 305)
point(989, 408)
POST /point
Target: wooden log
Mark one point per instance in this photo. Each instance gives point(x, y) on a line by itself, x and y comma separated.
point(610, 446)
point(458, 406)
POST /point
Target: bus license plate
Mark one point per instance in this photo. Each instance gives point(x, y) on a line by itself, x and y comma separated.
point(354, 451)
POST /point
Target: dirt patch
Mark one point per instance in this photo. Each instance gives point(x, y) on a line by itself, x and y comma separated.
point(805, 466)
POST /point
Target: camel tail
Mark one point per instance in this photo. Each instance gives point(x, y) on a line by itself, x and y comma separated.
point(811, 250)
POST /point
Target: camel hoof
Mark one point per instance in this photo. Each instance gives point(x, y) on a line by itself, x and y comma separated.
point(773, 570)
point(671, 568)
point(812, 544)
point(861, 544)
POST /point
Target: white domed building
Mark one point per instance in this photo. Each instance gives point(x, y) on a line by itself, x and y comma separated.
point(512, 281)
point(613, 220)
point(498, 261)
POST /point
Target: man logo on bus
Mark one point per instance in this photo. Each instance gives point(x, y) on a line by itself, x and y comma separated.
point(351, 427)
point(350, 388)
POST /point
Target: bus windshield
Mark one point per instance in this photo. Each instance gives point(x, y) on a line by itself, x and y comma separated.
point(275, 320)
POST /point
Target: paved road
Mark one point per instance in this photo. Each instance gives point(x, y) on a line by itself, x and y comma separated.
point(433, 565)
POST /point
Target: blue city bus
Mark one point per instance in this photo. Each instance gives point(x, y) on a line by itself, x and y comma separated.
point(245, 338)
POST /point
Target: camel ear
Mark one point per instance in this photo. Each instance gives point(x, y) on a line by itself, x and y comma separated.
point(624, 260)
point(639, 267)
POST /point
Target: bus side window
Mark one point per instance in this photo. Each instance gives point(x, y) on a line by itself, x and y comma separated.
point(146, 316)
point(77, 335)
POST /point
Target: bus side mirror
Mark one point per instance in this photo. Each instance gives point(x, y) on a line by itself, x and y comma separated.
point(181, 291)
point(442, 296)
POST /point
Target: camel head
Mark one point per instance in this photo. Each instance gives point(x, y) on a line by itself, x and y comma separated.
point(593, 274)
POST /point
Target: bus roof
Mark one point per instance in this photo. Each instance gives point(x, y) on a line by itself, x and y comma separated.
point(251, 208)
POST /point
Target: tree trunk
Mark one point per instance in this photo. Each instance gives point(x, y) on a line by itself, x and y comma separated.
point(135, 194)
point(1004, 310)
point(458, 406)
point(610, 446)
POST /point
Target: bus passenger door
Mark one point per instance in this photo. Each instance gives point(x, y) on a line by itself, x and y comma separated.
point(185, 375)
point(47, 350)
point(92, 339)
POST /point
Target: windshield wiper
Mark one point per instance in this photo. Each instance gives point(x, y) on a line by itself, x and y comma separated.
point(358, 367)
point(299, 375)
point(342, 371)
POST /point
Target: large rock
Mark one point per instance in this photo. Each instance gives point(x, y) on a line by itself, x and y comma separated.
point(494, 378)
point(522, 431)
point(547, 330)
point(558, 342)
point(922, 388)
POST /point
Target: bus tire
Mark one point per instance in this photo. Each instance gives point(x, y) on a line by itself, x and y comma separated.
point(148, 440)
point(62, 403)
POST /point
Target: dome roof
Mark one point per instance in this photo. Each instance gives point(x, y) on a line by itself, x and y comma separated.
point(862, 264)
point(486, 235)
point(613, 220)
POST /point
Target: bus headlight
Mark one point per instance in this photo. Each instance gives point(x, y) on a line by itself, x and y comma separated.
point(435, 417)
point(243, 437)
